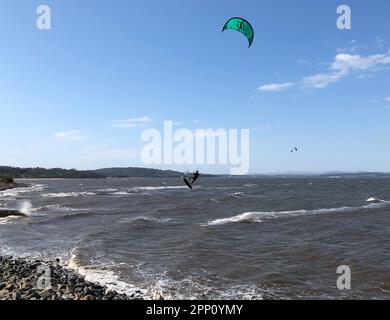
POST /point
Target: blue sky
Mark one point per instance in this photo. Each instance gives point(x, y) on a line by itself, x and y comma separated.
point(79, 95)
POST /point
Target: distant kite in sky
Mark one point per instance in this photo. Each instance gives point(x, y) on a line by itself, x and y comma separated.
point(240, 25)
point(295, 149)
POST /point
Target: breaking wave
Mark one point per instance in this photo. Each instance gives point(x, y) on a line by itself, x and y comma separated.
point(245, 217)
point(141, 219)
point(139, 190)
point(237, 195)
point(57, 207)
point(68, 194)
point(103, 275)
point(260, 216)
point(107, 190)
point(18, 191)
point(377, 200)
point(161, 188)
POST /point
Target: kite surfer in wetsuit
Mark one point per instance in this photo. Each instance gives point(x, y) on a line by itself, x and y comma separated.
point(194, 177)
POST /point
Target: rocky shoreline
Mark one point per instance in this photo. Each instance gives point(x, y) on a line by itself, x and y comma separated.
point(21, 279)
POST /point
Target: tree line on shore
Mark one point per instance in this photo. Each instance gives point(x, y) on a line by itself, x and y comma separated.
point(10, 173)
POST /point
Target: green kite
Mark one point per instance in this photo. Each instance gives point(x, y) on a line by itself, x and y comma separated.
point(240, 25)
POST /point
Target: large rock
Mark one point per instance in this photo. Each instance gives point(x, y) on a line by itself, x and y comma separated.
point(8, 213)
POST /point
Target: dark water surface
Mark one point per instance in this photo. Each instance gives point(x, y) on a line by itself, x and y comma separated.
point(229, 238)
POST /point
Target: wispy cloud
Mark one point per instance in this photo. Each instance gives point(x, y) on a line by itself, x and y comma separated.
point(349, 62)
point(321, 80)
point(276, 87)
point(387, 99)
point(72, 135)
point(342, 65)
point(129, 123)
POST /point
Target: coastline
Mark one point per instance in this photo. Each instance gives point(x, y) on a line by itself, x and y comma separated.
point(22, 279)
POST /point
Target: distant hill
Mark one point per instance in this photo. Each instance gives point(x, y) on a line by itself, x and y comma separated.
point(356, 175)
point(335, 174)
point(137, 173)
point(42, 173)
point(35, 173)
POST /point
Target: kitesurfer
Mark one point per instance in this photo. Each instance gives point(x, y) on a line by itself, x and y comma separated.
point(194, 177)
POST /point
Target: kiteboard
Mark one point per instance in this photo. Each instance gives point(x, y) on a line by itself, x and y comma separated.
point(186, 182)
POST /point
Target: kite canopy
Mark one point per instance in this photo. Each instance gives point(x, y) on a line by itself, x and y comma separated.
point(240, 25)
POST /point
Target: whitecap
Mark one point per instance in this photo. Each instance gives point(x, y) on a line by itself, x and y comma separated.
point(17, 191)
point(162, 188)
point(260, 216)
point(373, 199)
point(244, 217)
point(143, 218)
point(68, 194)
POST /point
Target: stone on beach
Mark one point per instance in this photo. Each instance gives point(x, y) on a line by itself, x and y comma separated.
point(4, 213)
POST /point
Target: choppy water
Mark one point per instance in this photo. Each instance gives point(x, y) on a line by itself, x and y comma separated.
point(226, 239)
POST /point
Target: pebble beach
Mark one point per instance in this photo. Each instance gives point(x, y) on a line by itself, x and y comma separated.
point(21, 279)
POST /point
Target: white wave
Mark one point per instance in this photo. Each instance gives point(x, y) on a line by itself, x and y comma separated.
point(107, 190)
point(245, 217)
point(120, 193)
point(196, 288)
point(17, 191)
point(161, 188)
point(56, 207)
point(373, 199)
point(262, 215)
point(143, 218)
point(251, 185)
point(99, 274)
point(6, 220)
point(126, 192)
point(68, 194)
point(237, 195)
point(143, 189)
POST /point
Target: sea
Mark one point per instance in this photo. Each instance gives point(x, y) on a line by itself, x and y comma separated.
point(228, 238)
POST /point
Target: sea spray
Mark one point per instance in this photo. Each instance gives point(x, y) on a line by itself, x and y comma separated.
point(26, 207)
